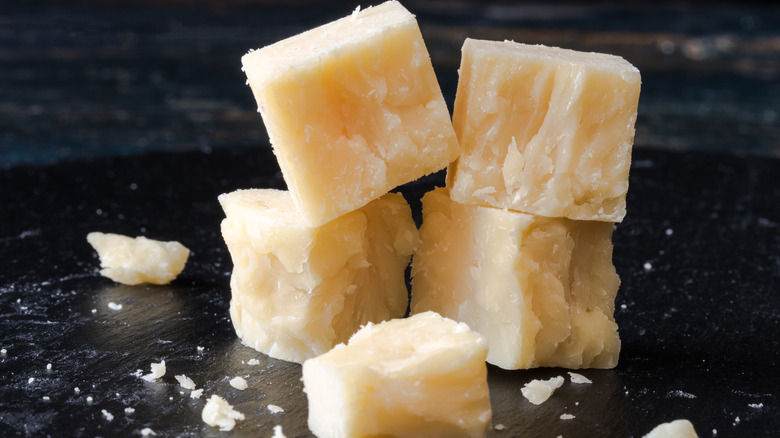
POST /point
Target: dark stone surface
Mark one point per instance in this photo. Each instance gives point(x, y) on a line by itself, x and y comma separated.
point(699, 325)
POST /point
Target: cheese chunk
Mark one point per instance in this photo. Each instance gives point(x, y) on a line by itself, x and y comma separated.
point(423, 376)
point(138, 260)
point(675, 429)
point(544, 130)
point(298, 290)
point(353, 109)
point(219, 413)
point(540, 290)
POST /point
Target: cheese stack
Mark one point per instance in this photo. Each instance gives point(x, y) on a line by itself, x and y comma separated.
point(519, 243)
point(353, 109)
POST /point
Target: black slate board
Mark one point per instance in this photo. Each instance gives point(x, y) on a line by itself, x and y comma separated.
point(698, 309)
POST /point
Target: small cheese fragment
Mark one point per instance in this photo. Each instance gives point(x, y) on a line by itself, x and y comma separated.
point(185, 381)
point(239, 383)
point(538, 391)
point(579, 378)
point(420, 376)
point(219, 413)
point(158, 370)
point(353, 109)
point(140, 260)
point(676, 429)
point(300, 290)
point(540, 290)
point(274, 409)
point(278, 432)
point(544, 130)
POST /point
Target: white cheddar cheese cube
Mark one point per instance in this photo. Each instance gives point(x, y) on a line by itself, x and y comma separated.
point(544, 130)
point(353, 109)
point(298, 290)
point(540, 290)
point(422, 376)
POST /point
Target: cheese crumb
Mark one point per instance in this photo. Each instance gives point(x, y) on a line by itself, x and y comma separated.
point(196, 393)
point(147, 431)
point(253, 362)
point(129, 410)
point(567, 417)
point(76, 390)
point(46, 398)
point(200, 349)
point(3, 351)
point(278, 432)
point(579, 378)
point(108, 415)
point(138, 260)
point(238, 383)
point(114, 306)
point(538, 391)
point(158, 370)
point(275, 409)
point(89, 399)
point(219, 412)
point(185, 381)
point(31, 380)
point(675, 429)
point(48, 366)
point(648, 266)
point(499, 427)
point(756, 405)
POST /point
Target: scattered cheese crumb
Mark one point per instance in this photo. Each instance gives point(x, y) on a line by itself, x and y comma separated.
point(3, 351)
point(129, 410)
point(76, 390)
point(499, 427)
point(756, 405)
point(158, 370)
point(736, 421)
point(196, 393)
point(94, 310)
point(669, 231)
point(275, 409)
point(89, 399)
point(238, 383)
point(538, 391)
point(46, 398)
point(48, 366)
point(185, 381)
point(567, 416)
point(648, 266)
point(109, 416)
point(278, 432)
point(31, 380)
point(579, 378)
point(114, 306)
point(219, 412)
point(200, 349)
point(147, 431)
point(253, 362)
point(675, 429)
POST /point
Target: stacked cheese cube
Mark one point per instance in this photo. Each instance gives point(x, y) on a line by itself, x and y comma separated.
point(518, 245)
point(353, 109)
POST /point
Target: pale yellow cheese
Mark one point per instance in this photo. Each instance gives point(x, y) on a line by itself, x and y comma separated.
point(298, 290)
point(544, 130)
point(422, 376)
point(540, 290)
point(219, 413)
point(353, 109)
point(138, 260)
point(675, 429)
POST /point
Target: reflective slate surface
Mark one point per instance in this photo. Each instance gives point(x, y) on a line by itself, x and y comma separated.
point(698, 309)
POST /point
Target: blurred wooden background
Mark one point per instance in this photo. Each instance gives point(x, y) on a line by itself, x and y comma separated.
point(90, 78)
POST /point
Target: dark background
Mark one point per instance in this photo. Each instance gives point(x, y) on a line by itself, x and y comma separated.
point(84, 79)
point(133, 116)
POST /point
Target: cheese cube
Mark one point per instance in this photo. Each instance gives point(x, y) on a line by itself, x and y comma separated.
point(423, 376)
point(544, 130)
point(353, 109)
point(540, 290)
point(298, 290)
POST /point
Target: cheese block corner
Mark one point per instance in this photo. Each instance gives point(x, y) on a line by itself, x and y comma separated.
point(353, 109)
point(544, 130)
